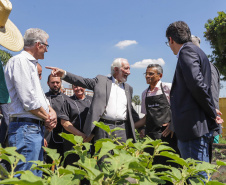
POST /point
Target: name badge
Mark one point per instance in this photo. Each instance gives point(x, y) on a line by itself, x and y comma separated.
point(153, 105)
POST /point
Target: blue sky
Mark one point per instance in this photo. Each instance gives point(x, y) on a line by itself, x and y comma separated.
point(84, 33)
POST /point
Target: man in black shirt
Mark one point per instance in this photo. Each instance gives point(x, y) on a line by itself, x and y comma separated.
point(56, 99)
point(73, 116)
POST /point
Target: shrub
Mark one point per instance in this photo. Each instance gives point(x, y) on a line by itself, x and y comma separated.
point(123, 160)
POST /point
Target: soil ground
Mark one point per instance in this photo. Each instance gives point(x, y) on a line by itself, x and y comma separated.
point(219, 152)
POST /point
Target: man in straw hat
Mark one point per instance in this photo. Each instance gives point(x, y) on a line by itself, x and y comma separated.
point(29, 110)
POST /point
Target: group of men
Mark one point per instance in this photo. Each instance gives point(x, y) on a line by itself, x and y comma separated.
point(185, 108)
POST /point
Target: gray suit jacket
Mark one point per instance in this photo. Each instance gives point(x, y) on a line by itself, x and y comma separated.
point(215, 89)
point(215, 84)
point(101, 85)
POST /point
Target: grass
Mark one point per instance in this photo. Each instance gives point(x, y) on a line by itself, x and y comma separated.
point(222, 140)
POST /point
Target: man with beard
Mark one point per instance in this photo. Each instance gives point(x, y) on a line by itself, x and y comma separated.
point(56, 99)
point(112, 101)
point(73, 115)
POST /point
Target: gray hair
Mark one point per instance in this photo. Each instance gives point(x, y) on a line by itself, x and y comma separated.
point(196, 40)
point(117, 63)
point(34, 35)
point(157, 66)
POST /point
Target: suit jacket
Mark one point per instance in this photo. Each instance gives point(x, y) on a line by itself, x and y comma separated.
point(101, 85)
point(215, 84)
point(191, 99)
point(215, 89)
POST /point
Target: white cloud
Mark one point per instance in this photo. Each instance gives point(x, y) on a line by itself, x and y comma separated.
point(144, 63)
point(125, 43)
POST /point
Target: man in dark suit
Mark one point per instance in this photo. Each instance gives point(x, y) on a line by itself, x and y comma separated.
point(193, 111)
point(111, 102)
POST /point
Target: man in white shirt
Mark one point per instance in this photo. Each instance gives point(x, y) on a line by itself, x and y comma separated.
point(29, 110)
point(111, 102)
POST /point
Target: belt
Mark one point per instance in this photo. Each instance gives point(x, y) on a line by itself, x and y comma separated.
point(118, 122)
point(23, 119)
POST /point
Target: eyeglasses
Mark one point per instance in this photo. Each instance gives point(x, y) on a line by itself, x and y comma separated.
point(150, 74)
point(167, 43)
point(47, 46)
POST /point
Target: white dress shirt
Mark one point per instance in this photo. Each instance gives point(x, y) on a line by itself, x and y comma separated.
point(156, 91)
point(24, 86)
point(117, 104)
point(179, 51)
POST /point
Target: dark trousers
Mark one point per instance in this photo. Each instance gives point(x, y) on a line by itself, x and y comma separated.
point(4, 123)
point(162, 159)
point(53, 145)
point(100, 134)
point(4, 132)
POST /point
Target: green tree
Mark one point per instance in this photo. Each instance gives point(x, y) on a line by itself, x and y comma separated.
point(136, 99)
point(216, 34)
point(4, 56)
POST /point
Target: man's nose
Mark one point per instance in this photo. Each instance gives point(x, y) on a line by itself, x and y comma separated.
point(128, 72)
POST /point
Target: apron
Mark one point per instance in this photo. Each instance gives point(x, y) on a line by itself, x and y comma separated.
point(158, 113)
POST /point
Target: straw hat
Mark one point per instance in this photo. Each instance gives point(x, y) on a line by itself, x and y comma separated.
point(10, 36)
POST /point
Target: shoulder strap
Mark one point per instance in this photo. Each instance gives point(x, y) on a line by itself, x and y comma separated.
point(164, 94)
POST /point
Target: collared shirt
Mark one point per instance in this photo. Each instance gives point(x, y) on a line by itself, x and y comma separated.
point(156, 91)
point(117, 104)
point(56, 100)
point(179, 51)
point(24, 86)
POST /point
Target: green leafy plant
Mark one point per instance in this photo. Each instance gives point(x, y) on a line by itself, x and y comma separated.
point(4, 56)
point(114, 162)
point(215, 34)
point(136, 100)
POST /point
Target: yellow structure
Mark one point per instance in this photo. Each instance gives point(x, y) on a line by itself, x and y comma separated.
point(222, 105)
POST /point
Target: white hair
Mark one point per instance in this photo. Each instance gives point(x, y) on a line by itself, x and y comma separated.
point(117, 63)
point(34, 35)
point(196, 40)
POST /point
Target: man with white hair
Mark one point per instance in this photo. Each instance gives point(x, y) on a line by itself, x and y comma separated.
point(111, 102)
point(29, 110)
